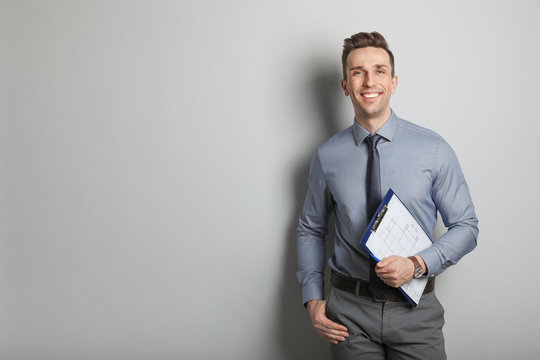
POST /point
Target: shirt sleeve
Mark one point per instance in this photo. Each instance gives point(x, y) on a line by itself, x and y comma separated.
point(311, 232)
point(453, 200)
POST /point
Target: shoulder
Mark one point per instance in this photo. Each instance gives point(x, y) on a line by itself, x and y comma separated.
point(337, 144)
point(418, 138)
point(421, 139)
point(334, 150)
point(409, 129)
point(341, 138)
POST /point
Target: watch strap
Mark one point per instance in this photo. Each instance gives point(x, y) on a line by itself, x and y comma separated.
point(418, 270)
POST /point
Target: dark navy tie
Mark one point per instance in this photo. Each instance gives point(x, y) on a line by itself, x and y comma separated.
point(373, 199)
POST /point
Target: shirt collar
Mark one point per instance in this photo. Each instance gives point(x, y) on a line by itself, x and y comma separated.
point(386, 131)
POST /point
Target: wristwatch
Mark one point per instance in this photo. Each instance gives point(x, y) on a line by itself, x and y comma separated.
point(418, 270)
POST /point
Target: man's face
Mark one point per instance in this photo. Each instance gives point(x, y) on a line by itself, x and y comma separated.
point(369, 82)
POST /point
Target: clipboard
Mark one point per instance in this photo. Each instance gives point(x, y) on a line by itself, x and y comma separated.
point(393, 230)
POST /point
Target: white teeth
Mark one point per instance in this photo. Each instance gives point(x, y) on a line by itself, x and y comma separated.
point(371, 95)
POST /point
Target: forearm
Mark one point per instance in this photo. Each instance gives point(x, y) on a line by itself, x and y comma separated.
point(458, 241)
point(311, 264)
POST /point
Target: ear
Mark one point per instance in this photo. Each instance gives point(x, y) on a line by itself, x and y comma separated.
point(344, 87)
point(394, 84)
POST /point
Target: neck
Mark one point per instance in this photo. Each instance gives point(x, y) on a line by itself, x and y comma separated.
point(372, 123)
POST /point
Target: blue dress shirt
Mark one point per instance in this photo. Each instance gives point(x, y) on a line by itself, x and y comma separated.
point(417, 164)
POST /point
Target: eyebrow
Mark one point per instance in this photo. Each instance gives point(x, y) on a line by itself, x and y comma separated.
point(377, 66)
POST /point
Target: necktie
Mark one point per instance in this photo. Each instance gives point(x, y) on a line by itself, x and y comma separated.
point(373, 198)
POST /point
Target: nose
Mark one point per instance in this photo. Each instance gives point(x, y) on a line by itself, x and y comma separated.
point(368, 79)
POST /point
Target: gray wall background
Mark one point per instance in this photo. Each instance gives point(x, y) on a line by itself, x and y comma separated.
point(154, 157)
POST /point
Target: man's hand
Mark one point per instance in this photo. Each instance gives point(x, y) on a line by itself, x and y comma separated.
point(396, 270)
point(330, 330)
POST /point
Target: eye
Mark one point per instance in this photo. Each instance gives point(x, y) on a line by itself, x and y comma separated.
point(381, 72)
point(357, 73)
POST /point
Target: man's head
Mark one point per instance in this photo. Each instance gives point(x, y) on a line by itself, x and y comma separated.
point(362, 40)
point(368, 78)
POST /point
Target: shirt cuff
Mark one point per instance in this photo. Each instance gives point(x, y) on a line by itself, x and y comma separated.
point(312, 291)
point(432, 262)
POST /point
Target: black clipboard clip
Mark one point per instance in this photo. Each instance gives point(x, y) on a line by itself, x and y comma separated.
point(379, 218)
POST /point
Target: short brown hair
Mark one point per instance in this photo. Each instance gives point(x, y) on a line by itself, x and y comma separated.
point(362, 40)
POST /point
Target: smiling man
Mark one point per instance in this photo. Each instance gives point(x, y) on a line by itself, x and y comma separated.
point(365, 316)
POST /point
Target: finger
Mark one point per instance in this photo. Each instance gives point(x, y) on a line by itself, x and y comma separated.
point(383, 272)
point(331, 330)
point(332, 335)
point(335, 334)
point(322, 320)
point(333, 340)
point(383, 263)
point(331, 325)
point(388, 260)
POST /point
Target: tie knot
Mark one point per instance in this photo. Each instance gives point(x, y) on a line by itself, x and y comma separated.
point(373, 140)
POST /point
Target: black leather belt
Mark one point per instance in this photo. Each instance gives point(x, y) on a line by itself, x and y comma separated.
point(361, 288)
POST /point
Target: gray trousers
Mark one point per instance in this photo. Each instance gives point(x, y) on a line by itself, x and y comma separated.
point(391, 330)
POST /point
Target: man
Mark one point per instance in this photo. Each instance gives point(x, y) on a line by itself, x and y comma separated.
point(365, 316)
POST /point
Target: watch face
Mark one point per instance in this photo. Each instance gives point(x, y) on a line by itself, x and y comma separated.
point(418, 272)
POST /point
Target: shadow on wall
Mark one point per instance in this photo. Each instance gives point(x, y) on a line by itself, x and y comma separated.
point(296, 336)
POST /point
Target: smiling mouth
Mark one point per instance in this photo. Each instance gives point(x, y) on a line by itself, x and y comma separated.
point(371, 95)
